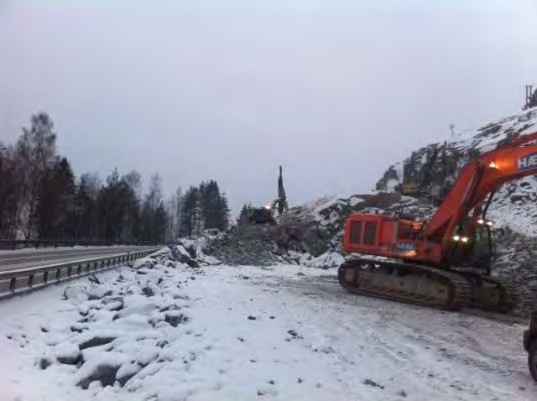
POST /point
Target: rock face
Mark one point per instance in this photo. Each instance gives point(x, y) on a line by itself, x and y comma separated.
point(434, 168)
point(517, 264)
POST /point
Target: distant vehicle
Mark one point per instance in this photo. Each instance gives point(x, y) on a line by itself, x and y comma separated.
point(530, 344)
point(262, 215)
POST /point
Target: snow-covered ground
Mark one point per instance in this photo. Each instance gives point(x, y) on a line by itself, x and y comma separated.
point(169, 332)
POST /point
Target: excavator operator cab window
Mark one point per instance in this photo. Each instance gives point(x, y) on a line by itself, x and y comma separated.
point(483, 250)
point(356, 232)
point(404, 231)
point(370, 233)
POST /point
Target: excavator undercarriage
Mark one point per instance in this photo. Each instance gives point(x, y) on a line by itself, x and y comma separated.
point(425, 285)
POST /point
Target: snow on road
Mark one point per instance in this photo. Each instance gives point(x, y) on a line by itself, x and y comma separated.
point(168, 332)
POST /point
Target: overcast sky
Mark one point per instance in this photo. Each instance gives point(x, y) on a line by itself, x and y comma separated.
point(335, 91)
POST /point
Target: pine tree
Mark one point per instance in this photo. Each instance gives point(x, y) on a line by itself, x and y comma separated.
point(245, 214)
point(190, 212)
point(85, 210)
point(160, 223)
point(55, 202)
point(113, 201)
point(9, 193)
point(130, 192)
point(214, 206)
point(222, 217)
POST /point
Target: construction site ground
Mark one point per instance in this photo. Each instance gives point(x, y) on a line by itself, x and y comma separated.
point(240, 332)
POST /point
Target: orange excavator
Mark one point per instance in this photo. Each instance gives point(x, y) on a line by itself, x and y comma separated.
point(444, 262)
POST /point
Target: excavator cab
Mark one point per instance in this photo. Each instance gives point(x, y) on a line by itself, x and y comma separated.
point(472, 247)
point(482, 250)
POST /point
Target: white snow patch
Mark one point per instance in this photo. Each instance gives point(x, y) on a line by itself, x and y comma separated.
point(355, 200)
point(143, 262)
point(391, 185)
point(66, 350)
point(327, 260)
point(162, 252)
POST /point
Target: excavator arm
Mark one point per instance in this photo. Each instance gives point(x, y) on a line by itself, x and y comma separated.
point(512, 160)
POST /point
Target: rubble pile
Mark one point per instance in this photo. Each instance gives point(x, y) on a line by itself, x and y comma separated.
point(516, 264)
point(233, 249)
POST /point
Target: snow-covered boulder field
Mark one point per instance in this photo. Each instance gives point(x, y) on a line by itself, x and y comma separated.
point(162, 330)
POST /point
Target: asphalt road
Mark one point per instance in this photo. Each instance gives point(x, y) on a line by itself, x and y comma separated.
point(26, 258)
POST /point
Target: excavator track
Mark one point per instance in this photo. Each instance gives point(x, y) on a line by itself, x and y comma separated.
point(416, 284)
point(492, 295)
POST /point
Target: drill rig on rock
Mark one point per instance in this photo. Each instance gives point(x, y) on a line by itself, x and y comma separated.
point(444, 262)
point(265, 215)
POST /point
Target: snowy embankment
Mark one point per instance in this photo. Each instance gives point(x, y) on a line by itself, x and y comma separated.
point(162, 330)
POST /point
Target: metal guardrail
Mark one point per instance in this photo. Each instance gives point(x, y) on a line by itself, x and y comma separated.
point(20, 281)
point(43, 243)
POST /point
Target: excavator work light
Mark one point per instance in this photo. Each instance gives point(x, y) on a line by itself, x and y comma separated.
point(493, 165)
point(456, 238)
point(465, 239)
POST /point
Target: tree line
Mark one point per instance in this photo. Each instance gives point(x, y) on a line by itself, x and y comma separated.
point(41, 198)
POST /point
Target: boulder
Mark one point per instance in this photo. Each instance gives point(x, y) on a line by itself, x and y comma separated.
point(102, 367)
point(68, 353)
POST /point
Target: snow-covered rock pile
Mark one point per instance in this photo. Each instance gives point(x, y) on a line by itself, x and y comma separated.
point(516, 263)
point(329, 259)
point(192, 250)
point(515, 206)
point(235, 249)
point(128, 328)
